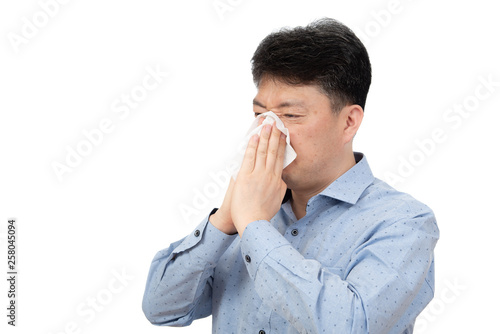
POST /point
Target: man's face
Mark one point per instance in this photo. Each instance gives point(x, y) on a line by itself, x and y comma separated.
point(316, 133)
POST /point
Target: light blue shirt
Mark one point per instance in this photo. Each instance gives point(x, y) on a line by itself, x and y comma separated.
point(360, 261)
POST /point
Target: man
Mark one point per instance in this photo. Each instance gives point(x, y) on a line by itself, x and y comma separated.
point(320, 246)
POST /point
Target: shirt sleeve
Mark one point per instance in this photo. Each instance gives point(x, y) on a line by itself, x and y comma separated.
point(373, 297)
point(179, 284)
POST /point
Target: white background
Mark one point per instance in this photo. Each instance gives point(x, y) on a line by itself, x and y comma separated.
point(123, 202)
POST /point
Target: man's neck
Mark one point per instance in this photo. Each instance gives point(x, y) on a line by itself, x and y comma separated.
point(300, 198)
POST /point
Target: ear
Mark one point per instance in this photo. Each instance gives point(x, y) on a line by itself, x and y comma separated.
point(352, 116)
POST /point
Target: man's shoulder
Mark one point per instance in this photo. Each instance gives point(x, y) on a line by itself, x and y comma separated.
point(380, 195)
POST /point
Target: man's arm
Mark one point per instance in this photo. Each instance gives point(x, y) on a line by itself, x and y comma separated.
point(388, 282)
point(179, 284)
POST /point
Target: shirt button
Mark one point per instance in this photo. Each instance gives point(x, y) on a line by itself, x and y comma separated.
point(295, 232)
point(262, 332)
point(248, 259)
point(197, 233)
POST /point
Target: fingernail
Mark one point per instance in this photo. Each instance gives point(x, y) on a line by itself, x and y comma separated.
point(283, 136)
point(267, 129)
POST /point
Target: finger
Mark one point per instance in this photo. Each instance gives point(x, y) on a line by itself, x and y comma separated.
point(272, 149)
point(261, 156)
point(230, 186)
point(278, 167)
point(248, 163)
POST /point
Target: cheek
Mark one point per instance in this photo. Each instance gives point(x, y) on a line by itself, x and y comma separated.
point(303, 142)
point(311, 143)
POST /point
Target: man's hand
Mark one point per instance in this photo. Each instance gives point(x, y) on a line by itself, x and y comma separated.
point(259, 189)
point(222, 218)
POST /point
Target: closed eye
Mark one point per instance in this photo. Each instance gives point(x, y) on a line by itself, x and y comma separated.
point(256, 114)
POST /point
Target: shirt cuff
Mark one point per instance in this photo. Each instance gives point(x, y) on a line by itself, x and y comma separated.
point(257, 241)
point(208, 242)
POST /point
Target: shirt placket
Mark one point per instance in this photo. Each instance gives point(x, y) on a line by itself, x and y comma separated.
point(296, 230)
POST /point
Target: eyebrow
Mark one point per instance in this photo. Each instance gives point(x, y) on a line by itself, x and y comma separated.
point(288, 103)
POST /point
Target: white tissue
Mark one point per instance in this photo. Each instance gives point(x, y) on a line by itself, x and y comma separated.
point(255, 128)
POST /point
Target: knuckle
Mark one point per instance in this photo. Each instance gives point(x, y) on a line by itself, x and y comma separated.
point(262, 153)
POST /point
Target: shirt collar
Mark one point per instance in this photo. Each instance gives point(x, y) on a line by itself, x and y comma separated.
point(350, 185)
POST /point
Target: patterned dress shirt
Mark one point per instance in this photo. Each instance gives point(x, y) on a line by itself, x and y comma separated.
point(360, 261)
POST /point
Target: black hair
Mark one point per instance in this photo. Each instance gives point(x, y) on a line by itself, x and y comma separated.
point(324, 53)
